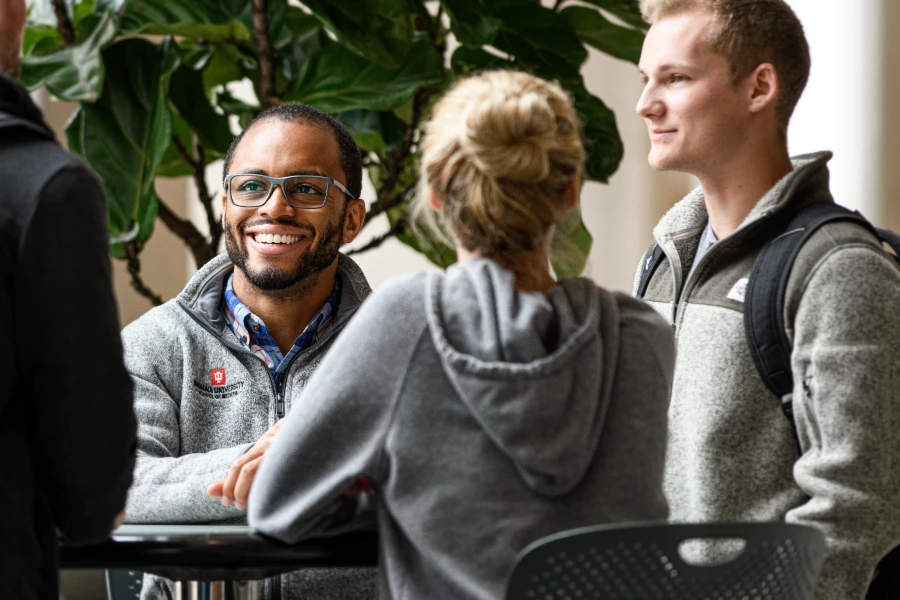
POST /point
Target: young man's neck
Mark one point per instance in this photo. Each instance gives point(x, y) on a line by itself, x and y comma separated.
point(287, 312)
point(731, 193)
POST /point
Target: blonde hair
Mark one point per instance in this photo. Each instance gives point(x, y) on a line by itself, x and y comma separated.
point(499, 152)
point(749, 33)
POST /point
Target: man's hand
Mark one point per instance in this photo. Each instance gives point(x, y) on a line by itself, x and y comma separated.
point(120, 518)
point(235, 488)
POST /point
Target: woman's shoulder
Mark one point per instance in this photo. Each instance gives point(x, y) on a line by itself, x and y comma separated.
point(396, 303)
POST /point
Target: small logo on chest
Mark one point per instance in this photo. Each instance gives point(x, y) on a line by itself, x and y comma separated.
point(739, 290)
point(217, 377)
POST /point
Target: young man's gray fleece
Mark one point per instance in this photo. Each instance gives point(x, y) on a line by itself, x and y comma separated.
point(487, 417)
point(732, 455)
point(191, 428)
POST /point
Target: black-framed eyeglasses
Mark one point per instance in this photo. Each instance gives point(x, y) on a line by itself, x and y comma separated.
point(301, 191)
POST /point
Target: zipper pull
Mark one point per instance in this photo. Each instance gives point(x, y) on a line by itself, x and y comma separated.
point(279, 405)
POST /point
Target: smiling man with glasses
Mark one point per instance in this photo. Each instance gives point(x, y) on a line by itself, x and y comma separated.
point(215, 369)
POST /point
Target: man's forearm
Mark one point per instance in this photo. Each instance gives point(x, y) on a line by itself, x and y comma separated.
point(173, 490)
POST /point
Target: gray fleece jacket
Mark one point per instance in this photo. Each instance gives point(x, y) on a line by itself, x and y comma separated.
point(192, 427)
point(487, 418)
point(731, 453)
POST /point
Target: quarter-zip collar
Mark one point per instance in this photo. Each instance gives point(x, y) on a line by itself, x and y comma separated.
point(689, 216)
point(202, 296)
point(678, 232)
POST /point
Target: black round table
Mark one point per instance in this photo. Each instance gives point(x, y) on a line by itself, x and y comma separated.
point(200, 558)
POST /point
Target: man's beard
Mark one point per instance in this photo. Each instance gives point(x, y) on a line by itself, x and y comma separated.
point(314, 260)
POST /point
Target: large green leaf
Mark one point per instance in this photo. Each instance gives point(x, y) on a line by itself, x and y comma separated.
point(627, 10)
point(126, 132)
point(292, 59)
point(210, 20)
point(290, 23)
point(380, 30)
point(41, 40)
point(338, 80)
point(421, 240)
point(172, 163)
point(595, 29)
point(540, 39)
point(571, 246)
point(374, 131)
point(188, 96)
point(601, 134)
point(470, 23)
point(228, 63)
point(74, 138)
point(74, 128)
point(466, 60)
point(74, 73)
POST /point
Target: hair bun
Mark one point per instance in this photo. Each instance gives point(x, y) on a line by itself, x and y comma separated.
point(507, 134)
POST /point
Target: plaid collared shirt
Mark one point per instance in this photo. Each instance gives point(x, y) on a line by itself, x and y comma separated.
point(252, 333)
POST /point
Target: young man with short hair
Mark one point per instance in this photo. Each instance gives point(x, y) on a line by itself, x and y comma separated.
point(722, 78)
point(216, 368)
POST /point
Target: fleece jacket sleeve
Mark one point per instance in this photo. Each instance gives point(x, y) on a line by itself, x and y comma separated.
point(169, 488)
point(68, 330)
point(336, 430)
point(846, 363)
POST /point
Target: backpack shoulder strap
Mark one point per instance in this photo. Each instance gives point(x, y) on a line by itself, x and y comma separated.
point(653, 260)
point(764, 324)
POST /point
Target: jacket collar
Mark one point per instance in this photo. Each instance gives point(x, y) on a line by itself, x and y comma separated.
point(18, 110)
point(689, 215)
point(202, 297)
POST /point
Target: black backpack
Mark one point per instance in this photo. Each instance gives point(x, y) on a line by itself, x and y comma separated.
point(765, 328)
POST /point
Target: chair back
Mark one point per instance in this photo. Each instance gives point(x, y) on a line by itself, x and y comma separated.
point(123, 585)
point(773, 561)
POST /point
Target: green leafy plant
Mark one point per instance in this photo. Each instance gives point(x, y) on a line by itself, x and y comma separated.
point(155, 83)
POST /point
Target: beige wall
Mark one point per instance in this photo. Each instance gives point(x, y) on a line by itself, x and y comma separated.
point(889, 123)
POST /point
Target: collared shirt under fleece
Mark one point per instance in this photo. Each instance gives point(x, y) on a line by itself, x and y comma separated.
point(251, 332)
point(731, 454)
point(202, 400)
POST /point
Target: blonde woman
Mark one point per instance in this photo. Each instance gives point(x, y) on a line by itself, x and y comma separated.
point(492, 405)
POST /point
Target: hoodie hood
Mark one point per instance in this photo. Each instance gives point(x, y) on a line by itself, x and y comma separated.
point(534, 369)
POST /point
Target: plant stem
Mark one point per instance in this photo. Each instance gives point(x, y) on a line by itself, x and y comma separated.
point(187, 232)
point(63, 23)
point(197, 162)
point(265, 54)
point(375, 242)
point(132, 250)
point(214, 224)
point(386, 198)
point(557, 5)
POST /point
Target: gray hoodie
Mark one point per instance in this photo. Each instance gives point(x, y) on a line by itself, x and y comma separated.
point(192, 427)
point(487, 418)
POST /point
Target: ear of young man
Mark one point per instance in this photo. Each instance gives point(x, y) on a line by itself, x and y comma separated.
point(763, 88)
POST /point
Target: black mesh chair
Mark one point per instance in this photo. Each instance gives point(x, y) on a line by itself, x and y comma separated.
point(123, 585)
point(766, 561)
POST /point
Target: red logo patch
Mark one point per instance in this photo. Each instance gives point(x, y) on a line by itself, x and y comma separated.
point(217, 377)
